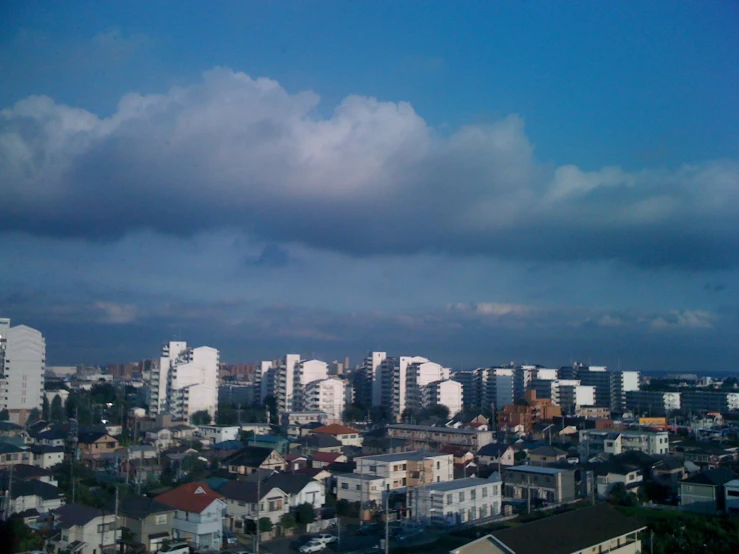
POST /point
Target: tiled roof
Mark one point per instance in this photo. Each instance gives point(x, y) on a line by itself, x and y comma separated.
point(715, 477)
point(291, 483)
point(320, 440)
point(34, 487)
point(336, 429)
point(249, 456)
point(327, 457)
point(190, 497)
point(140, 507)
point(71, 515)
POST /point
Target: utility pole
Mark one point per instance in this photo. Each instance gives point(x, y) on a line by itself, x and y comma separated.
point(8, 507)
point(259, 499)
point(528, 494)
point(387, 520)
point(115, 521)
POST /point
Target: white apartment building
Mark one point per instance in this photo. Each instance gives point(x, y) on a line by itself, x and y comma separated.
point(327, 396)
point(185, 382)
point(357, 487)
point(458, 501)
point(652, 402)
point(286, 380)
point(373, 380)
point(22, 369)
point(594, 441)
point(571, 395)
point(408, 469)
point(446, 393)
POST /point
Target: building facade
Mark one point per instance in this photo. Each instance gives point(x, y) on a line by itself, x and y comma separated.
point(22, 369)
point(458, 501)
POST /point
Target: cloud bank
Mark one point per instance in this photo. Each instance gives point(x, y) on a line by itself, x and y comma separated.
point(373, 178)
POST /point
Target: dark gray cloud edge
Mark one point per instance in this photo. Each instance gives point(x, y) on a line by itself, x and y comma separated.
point(374, 178)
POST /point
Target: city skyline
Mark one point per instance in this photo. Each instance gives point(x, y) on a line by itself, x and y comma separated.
point(537, 184)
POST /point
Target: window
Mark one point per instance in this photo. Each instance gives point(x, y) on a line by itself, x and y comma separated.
point(359, 487)
point(241, 503)
point(160, 519)
point(461, 496)
point(438, 465)
point(396, 468)
point(373, 469)
point(104, 527)
point(275, 504)
point(484, 492)
point(473, 494)
point(345, 486)
point(449, 498)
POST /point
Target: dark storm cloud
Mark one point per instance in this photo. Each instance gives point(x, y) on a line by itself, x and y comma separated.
point(371, 179)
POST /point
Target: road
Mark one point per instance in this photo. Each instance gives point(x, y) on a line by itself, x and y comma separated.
point(350, 542)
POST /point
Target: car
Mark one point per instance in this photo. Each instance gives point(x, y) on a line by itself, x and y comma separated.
point(312, 546)
point(369, 529)
point(326, 538)
point(175, 548)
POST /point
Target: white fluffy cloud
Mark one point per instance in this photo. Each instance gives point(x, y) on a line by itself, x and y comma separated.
point(371, 178)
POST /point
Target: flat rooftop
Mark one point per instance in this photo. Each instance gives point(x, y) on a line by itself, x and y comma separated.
point(456, 484)
point(431, 428)
point(400, 456)
point(536, 469)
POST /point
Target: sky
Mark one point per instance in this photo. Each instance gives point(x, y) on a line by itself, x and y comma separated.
point(474, 182)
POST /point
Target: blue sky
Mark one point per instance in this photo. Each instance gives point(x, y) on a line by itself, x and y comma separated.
point(477, 181)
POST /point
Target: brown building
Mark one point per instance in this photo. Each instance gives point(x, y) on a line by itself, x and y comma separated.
point(527, 412)
point(95, 443)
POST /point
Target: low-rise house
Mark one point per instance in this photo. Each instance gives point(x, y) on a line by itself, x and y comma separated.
point(319, 443)
point(356, 487)
point(496, 453)
point(52, 437)
point(459, 501)
point(461, 455)
point(595, 441)
point(347, 436)
point(612, 471)
point(408, 469)
point(138, 452)
point(296, 461)
point(46, 456)
point(84, 530)
point(23, 472)
point(731, 497)
point(547, 484)
point(96, 443)
point(198, 517)
point(160, 438)
point(711, 456)
point(293, 422)
point(182, 431)
point(593, 529)
point(301, 489)
point(241, 503)
point(250, 458)
point(12, 455)
point(149, 521)
point(668, 472)
point(545, 455)
point(380, 444)
point(324, 459)
point(141, 470)
point(704, 492)
point(219, 433)
point(33, 494)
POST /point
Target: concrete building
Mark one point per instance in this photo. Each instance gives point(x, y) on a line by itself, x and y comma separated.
point(358, 487)
point(435, 438)
point(408, 469)
point(709, 401)
point(185, 382)
point(219, 433)
point(286, 380)
point(546, 484)
point(652, 402)
point(596, 441)
point(85, 529)
point(570, 395)
point(458, 501)
point(610, 386)
point(705, 492)
point(22, 370)
point(467, 380)
point(327, 396)
point(445, 393)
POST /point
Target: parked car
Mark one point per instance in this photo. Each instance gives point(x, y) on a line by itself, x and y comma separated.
point(175, 548)
point(312, 546)
point(326, 538)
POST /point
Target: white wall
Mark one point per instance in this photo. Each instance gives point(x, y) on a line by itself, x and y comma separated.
point(374, 360)
point(327, 396)
point(25, 360)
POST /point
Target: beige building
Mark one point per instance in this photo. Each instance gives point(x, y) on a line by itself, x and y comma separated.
point(408, 469)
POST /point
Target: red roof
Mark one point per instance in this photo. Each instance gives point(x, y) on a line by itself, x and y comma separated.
point(335, 429)
point(327, 457)
point(190, 497)
point(293, 457)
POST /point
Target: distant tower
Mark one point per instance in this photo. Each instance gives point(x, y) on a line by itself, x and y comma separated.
point(266, 409)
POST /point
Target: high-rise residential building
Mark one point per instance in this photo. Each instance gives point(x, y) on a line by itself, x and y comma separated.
point(610, 386)
point(445, 393)
point(285, 380)
point(327, 396)
point(709, 401)
point(185, 382)
point(570, 395)
point(419, 373)
point(651, 402)
point(22, 368)
point(522, 377)
point(470, 397)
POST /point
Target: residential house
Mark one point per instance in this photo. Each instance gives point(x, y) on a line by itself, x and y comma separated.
point(434, 438)
point(251, 458)
point(544, 455)
point(595, 441)
point(704, 492)
point(280, 444)
point(378, 443)
point(52, 437)
point(251, 500)
point(496, 453)
point(218, 433)
point(461, 455)
point(347, 436)
point(160, 438)
point(12, 455)
point(198, 517)
point(296, 461)
point(293, 422)
point(526, 412)
point(324, 459)
point(32, 495)
point(668, 472)
point(10, 431)
point(46, 456)
point(23, 472)
point(149, 521)
point(545, 484)
point(459, 501)
point(84, 530)
point(139, 452)
point(301, 489)
point(599, 528)
point(612, 471)
point(711, 456)
point(731, 497)
point(312, 443)
point(96, 443)
point(408, 469)
point(357, 487)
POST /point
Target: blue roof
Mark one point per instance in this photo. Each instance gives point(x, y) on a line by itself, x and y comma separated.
point(228, 445)
point(267, 438)
point(535, 469)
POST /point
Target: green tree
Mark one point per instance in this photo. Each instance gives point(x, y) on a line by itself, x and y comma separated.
point(56, 412)
point(265, 525)
point(21, 537)
point(45, 408)
point(439, 411)
point(71, 405)
point(194, 467)
point(227, 415)
point(201, 417)
point(4, 415)
point(354, 413)
point(287, 521)
point(620, 496)
point(305, 513)
point(34, 416)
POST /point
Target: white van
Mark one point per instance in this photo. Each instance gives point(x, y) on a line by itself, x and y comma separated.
point(175, 548)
